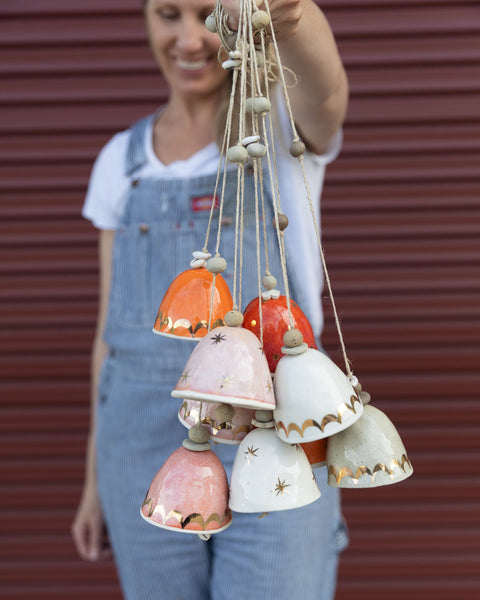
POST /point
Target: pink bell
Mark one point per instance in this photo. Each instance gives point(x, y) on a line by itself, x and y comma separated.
point(228, 365)
point(225, 424)
point(190, 492)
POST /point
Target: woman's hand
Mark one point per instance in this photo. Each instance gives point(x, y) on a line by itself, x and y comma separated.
point(286, 15)
point(88, 528)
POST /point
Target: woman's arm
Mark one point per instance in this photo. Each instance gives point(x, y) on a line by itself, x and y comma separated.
point(88, 525)
point(307, 47)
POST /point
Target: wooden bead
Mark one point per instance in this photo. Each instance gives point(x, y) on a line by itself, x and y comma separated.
point(269, 282)
point(297, 148)
point(210, 24)
point(282, 221)
point(256, 150)
point(233, 318)
point(237, 154)
point(260, 19)
point(216, 264)
point(293, 338)
point(224, 413)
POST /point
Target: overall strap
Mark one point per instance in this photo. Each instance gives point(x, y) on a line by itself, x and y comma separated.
point(136, 155)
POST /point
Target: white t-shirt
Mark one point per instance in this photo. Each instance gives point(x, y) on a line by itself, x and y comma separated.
point(109, 187)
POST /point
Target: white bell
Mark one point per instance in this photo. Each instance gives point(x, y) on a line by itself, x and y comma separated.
point(314, 397)
point(268, 474)
point(368, 454)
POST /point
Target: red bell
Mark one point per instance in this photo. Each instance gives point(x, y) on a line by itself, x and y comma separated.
point(275, 324)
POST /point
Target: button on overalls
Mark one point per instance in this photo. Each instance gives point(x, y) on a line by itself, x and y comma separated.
point(284, 556)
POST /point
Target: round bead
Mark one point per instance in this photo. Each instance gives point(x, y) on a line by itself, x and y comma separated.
point(237, 154)
point(235, 54)
point(216, 264)
point(198, 434)
point(297, 148)
point(210, 24)
point(249, 105)
point(224, 413)
point(263, 416)
point(256, 150)
point(261, 105)
point(269, 282)
point(282, 221)
point(233, 318)
point(260, 19)
point(293, 338)
point(364, 397)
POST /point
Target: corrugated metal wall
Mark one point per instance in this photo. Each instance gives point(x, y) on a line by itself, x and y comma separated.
point(401, 229)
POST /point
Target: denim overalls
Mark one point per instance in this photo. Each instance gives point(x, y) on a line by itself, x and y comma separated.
point(283, 556)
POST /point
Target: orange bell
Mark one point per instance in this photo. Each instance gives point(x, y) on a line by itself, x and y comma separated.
point(316, 452)
point(185, 308)
point(275, 324)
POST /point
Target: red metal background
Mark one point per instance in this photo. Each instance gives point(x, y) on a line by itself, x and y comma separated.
point(401, 228)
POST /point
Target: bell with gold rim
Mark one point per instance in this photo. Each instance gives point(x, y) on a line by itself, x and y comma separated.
point(268, 474)
point(189, 494)
point(228, 366)
point(226, 424)
point(314, 397)
point(184, 312)
point(368, 454)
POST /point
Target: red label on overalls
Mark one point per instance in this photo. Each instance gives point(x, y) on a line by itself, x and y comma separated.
point(203, 203)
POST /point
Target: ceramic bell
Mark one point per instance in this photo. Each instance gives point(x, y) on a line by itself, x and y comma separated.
point(190, 492)
point(268, 474)
point(185, 309)
point(314, 397)
point(275, 319)
point(228, 366)
point(368, 454)
point(225, 424)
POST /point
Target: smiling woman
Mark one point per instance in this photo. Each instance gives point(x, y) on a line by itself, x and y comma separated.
point(143, 197)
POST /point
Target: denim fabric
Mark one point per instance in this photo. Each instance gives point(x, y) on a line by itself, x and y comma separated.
point(285, 555)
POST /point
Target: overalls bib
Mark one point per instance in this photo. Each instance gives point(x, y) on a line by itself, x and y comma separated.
point(286, 555)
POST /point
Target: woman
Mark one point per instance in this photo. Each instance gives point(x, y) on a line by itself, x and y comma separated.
point(142, 198)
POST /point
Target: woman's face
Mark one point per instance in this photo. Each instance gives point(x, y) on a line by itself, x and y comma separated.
point(184, 49)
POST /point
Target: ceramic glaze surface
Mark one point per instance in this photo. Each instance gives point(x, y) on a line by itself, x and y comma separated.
point(229, 432)
point(270, 475)
point(368, 454)
point(316, 452)
point(189, 493)
point(275, 324)
point(228, 366)
point(314, 398)
point(185, 308)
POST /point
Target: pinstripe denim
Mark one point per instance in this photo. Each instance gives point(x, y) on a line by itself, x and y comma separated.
point(286, 555)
